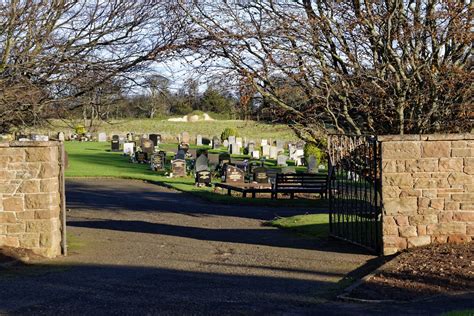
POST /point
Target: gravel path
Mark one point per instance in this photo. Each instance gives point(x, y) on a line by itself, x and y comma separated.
point(137, 248)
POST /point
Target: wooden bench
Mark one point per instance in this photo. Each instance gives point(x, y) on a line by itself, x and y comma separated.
point(300, 183)
point(246, 188)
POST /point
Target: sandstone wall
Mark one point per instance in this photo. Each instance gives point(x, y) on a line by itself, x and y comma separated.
point(30, 197)
point(427, 190)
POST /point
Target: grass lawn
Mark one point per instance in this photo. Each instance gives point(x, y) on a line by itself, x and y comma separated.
point(311, 225)
point(170, 130)
point(93, 159)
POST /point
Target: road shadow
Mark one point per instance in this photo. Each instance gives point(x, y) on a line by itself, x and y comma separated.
point(139, 196)
point(265, 236)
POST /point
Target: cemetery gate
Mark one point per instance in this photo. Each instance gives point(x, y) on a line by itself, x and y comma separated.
point(355, 189)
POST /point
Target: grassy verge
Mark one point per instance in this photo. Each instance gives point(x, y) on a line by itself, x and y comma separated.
point(90, 159)
point(312, 225)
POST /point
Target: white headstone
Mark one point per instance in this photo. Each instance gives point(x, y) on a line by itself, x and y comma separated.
point(231, 139)
point(226, 143)
point(128, 148)
point(263, 142)
point(273, 152)
point(102, 137)
point(256, 154)
point(61, 136)
point(281, 160)
point(265, 151)
point(199, 140)
point(234, 149)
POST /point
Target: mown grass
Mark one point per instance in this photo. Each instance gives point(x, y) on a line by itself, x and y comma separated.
point(311, 225)
point(92, 159)
point(170, 130)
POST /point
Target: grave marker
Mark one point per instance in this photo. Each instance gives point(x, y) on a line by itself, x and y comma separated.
point(265, 151)
point(115, 143)
point(234, 175)
point(102, 137)
point(203, 178)
point(154, 139)
point(199, 140)
point(202, 163)
point(147, 146)
point(312, 164)
point(281, 160)
point(129, 148)
point(273, 152)
point(260, 175)
point(178, 167)
point(61, 136)
point(255, 154)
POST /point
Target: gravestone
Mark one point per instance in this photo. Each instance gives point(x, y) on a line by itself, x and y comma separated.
point(115, 143)
point(192, 152)
point(213, 159)
point(61, 136)
point(281, 160)
point(140, 156)
point(154, 139)
point(202, 163)
point(234, 149)
point(206, 141)
point(226, 143)
point(147, 146)
point(224, 158)
point(280, 144)
point(288, 170)
point(312, 164)
point(260, 175)
point(203, 178)
point(129, 137)
point(102, 137)
point(255, 154)
point(178, 167)
point(231, 139)
point(185, 137)
point(158, 161)
point(239, 141)
point(265, 151)
point(136, 139)
point(263, 142)
point(128, 148)
point(251, 147)
point(273, 152)
point(199, 140)
point(121, 140)
point(234, 175)
point(216, 142)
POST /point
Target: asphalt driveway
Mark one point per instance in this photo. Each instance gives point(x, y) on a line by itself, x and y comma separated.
point(137, 248)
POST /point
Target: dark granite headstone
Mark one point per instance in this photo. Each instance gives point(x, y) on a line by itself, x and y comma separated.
point(234, 175)
point(156, 139)
point(115, 143)
point(260, 175)
point(141, 157)
point(158, 161)
point(178, 167)
point(181, 154)
point(224, 158)
point(206, 141)
point(203, 177)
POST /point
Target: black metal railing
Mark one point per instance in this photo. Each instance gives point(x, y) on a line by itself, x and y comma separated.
point(355, 189)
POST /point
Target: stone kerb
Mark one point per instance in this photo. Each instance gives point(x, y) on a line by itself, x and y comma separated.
point(427, 190)
point(30, 197)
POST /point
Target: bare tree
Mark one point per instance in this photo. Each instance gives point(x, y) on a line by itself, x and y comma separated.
point(158, 92)
point(55, 51)
point(395, 66)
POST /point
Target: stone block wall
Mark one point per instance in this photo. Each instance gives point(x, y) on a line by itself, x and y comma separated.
point(30, 199)
point(427, 190)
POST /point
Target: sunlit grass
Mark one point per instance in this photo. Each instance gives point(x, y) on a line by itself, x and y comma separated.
point(311, 225)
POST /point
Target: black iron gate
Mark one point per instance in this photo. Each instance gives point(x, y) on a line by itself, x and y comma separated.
point(355, 189)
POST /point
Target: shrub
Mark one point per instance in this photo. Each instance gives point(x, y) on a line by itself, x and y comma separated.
point(310, 149)
point(228, 132)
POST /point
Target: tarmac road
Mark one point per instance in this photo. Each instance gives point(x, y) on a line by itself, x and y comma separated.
point(137, 248)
